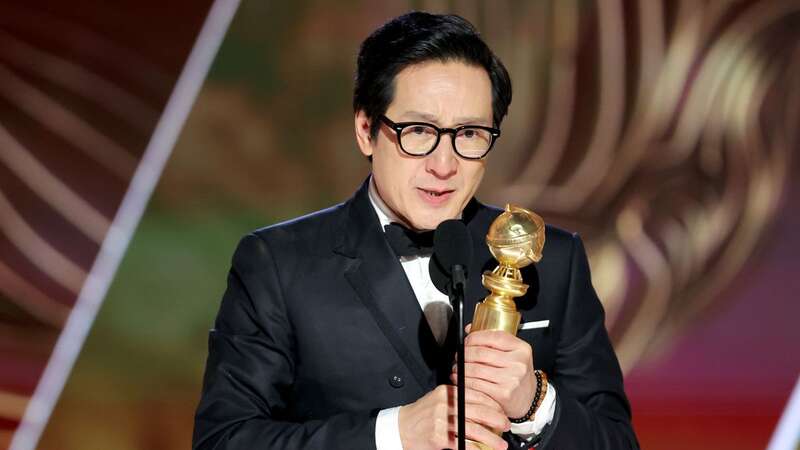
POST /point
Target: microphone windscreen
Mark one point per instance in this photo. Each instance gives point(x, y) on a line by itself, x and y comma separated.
point(452, 245)
point(439, 276)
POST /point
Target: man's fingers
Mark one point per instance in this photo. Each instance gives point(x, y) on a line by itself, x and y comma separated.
point(479, 398)
point(488, 417)
point(500, 392)
point(475, 432)
point(501, 340)
point(481, 434)
point(486, 355)
point(483, 372)
point(450, 393)
point(479, 407)
point(515, 370)
point(432, 421)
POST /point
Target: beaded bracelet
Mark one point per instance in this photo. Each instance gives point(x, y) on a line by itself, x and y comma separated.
point(544, 390)
point(541, 390)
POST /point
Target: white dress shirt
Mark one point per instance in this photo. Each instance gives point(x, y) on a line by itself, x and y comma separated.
point(437, 309)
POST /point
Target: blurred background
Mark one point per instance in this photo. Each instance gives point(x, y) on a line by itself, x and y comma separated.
point(665, 132)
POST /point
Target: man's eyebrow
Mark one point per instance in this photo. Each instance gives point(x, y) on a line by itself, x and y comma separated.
point(427, 117)
point(473, 120)
point(417, 115)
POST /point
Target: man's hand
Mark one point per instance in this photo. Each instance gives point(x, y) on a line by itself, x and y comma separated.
point(500, 365)
point(431, 422)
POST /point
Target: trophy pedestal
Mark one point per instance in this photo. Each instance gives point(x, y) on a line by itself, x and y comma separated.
point(498, 310)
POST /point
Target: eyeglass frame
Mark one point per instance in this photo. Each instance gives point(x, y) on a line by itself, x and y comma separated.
point(398, 128)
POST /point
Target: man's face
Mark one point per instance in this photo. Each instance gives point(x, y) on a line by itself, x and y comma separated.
point(425, 191)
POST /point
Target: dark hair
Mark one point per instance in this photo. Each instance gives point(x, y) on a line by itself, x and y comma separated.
point(414, 38)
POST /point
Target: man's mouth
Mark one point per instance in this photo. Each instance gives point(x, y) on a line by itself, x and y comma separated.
point(436, 192)
point(435, 197)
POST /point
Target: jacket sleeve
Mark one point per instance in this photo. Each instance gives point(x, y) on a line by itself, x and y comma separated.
point(592, 411)
point(247, 386)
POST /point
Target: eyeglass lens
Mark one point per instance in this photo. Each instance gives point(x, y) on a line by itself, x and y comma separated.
point(470, 142)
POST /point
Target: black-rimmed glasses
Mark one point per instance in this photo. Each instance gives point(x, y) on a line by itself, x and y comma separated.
point(421, 138)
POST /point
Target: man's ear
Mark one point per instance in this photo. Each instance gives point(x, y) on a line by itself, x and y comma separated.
point(363, 137)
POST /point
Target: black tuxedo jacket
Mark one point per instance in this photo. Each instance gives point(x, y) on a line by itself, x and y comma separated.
point(319, 329)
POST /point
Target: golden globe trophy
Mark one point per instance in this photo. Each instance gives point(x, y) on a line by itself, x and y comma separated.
point(515, 239)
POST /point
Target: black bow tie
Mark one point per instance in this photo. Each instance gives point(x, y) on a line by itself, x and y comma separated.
point(407, 242)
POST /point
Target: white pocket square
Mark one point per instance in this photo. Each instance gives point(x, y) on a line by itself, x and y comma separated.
point(534, 325)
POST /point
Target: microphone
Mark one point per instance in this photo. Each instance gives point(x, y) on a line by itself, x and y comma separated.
point(452, 253)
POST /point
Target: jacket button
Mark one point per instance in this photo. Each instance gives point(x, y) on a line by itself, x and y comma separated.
point(396, 381)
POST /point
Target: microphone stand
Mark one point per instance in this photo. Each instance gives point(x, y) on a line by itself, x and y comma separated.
point(457, 299)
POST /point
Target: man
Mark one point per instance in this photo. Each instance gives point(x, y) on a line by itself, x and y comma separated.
point(330, 334)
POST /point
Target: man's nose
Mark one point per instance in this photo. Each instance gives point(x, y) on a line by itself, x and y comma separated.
point(443, 161)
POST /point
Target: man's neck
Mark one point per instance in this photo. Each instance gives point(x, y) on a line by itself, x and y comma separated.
point(385, 214)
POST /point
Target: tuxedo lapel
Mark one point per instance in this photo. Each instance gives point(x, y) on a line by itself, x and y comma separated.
point(380, 283)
